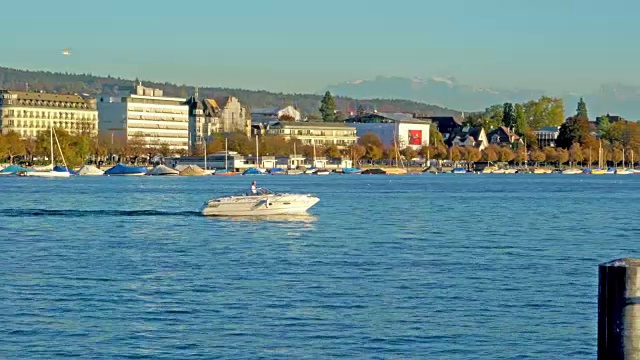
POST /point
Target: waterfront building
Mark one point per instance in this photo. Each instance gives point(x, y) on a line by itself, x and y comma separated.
point(503, 136)
point(144, 113)
point(469, 136)
point(217, 115)
point(401, 128)
point(547, 136)
point(318, 133)
point(28, 113)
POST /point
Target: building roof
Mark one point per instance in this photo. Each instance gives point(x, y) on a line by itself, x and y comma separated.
point(507, 132)
point(386, 117)
point(266, 111)
point(326, 125)
point(46, 99)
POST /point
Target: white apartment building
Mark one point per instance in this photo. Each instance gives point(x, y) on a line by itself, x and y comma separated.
point(29, 113)
point(146, 114)
point(318, 133)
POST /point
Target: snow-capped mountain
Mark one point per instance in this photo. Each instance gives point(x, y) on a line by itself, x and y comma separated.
point(446, 91)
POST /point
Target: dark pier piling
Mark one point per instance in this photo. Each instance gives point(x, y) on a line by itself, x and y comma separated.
point(619, 310)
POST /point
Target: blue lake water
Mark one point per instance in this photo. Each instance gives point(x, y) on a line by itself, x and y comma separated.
point(437, 267)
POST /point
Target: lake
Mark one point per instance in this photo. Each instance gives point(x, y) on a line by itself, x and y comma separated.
point(418, 266)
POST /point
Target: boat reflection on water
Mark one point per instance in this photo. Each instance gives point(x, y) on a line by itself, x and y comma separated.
point(298, 218)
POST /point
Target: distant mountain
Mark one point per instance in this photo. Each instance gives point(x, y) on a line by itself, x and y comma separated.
point(447, 92)
point(308, 104)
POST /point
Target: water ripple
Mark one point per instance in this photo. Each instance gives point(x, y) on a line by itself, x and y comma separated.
point(437, 267)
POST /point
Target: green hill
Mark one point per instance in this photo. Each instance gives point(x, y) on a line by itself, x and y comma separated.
point(308, 104)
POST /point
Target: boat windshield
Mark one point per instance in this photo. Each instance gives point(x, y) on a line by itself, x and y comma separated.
point(259, 192)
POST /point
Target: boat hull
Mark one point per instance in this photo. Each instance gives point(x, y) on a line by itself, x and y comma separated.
point(46, 174)
point(291, 204)
point(134, 174)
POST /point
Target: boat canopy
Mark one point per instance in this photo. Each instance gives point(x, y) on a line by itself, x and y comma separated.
point(192, 170)
point(59, 168)
point(253, 171)
point(90, 170)
point(122, 169)
point(162, 170)
point(277, 171)
point(12, 169)
point(351, 170)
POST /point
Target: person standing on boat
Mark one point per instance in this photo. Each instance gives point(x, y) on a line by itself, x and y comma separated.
point(254, 188)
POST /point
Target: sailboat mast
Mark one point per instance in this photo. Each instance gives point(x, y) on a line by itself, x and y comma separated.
point(51, 139)
point(226, 152)
point(257, 154)
point(205, 153)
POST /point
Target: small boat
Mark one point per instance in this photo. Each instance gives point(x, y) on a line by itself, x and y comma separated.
point(192, 170)
point(61, 172)
point(225, 172)
point(322, 172)
point(14, 169)
point(459, 171)
point(310, 170)
point(126, 170)
point(253, 171)
point(163, 170)
point(431, 170)
point(294, 172)
point(90, 170)
point(351, 170)
point(263, 203)
point(489, 170)
point(277, 171)
point(542, 171)
point(624, 171)
point(598, 172)
point(572, 171)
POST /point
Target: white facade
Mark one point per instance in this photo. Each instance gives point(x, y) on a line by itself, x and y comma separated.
point(414, 134)
point(29, 113)
point(324, 134)
point(155, 119)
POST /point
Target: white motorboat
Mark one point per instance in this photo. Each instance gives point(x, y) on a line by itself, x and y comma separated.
point(264, 202)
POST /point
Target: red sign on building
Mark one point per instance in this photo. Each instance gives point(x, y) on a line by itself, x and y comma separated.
point(415, 137)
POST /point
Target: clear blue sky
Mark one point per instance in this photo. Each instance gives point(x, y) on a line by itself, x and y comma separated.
point(302, 46)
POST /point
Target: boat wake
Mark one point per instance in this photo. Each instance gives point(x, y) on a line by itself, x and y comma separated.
point(93, 213)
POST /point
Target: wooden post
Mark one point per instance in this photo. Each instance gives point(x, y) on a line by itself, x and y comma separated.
point(619, 310)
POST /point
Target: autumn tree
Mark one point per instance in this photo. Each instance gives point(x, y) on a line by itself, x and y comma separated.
point(240, 143)
point(575, 154)
point(550, 154)
point(471, 154)
point(491, 153)
point(328, 108)
point(12, 145)
point(332, 152)
point(357, 151)
point(409, 153)
point(575, 129)
point(538, 156)
point(505, 154)
point(562, 156)
point(455, 153)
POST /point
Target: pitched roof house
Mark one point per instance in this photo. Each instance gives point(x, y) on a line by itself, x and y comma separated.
point(503, 136)
point(468, 136)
